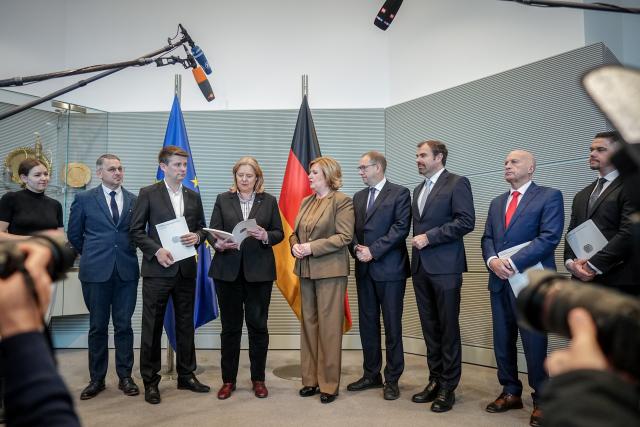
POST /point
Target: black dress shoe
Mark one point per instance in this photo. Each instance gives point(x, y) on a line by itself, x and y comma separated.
point(152, 394)
point(92, 390)
point(192, 383)
point(128, 387)
point(428, 394)
point(365, 383)
point(391, 391)
point(444, 401)
point(327, 398)
point(308, 391)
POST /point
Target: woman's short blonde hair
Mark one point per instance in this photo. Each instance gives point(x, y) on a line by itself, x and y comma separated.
point(249, 161)
point(331, 170)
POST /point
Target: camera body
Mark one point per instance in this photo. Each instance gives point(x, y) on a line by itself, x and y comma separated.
point(62, 256)
point(545, 303)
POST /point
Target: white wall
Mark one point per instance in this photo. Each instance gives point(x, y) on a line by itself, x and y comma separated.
point(436, 45)
point(260, 48)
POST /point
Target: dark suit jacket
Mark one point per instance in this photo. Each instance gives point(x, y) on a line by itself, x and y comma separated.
point(35, 394)
point(330, 236)
point(154, 207)
point(258, 263)
point(539, 218)
point(384, 229)
point(610, 213)
point(448, 215)
point(102, 244)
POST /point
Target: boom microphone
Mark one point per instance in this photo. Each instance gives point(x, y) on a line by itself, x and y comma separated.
point(386, 14)
point(198, 54)
point(203, 83)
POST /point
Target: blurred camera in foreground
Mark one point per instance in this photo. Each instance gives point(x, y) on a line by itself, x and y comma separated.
point(545, 303)
point(62, 255)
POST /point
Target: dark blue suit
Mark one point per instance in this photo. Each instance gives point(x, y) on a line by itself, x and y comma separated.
point(437, 272)
point(539, 218)
point(109, 274)
point(36, 394)
point(381, 282)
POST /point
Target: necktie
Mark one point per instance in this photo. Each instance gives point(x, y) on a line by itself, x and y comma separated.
point(372, 198)
point(512, 208)
point(596, 192)
point(427, 190)
point(114, 208)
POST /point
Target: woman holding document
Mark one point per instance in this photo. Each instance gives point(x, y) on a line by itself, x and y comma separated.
point(244, 273)
point(323, 229)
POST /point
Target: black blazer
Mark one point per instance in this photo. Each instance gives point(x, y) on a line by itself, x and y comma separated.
point(448, 215)
point(154, 207)
point(384, 229)
point(610, 213)
point(256, 258)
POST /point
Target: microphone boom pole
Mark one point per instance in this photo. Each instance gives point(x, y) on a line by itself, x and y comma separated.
point(110, 69)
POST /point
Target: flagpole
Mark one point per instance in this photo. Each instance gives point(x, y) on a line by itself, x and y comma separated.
point(170, 373)
point(293, 372)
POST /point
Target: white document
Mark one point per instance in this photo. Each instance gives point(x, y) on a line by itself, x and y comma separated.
point(586, 239)
point(170, 233)
point(519, 280)
point(239, 233)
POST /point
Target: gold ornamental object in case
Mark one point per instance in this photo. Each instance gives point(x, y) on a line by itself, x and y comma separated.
point(15, 157)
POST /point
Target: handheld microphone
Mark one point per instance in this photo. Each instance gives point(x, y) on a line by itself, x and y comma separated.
point(203, 83)
point(386, 14)
point(198, 54)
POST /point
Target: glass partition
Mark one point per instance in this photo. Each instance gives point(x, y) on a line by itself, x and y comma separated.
point(67, 137)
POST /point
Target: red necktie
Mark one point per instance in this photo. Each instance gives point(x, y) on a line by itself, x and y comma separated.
point(512, 208)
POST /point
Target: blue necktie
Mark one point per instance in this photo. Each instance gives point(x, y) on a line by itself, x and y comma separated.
point(114, 208)
point(372, 198)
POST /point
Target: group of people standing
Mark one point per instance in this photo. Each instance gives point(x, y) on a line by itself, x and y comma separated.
point(107, 223)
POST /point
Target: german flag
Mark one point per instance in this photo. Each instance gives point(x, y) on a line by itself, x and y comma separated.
point(295, 187)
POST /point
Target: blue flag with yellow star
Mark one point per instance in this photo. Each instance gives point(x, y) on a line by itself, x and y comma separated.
point(206, 305)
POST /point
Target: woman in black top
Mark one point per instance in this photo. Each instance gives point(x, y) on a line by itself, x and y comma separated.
point(27, 211)
point(244, 275)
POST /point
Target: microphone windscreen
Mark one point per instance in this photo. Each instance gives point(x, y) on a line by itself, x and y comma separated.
point(203, 83)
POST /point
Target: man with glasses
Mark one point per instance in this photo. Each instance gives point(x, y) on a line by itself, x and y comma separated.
point(383, 218)
point(99, 230)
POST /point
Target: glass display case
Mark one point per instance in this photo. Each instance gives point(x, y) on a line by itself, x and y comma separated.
point(66, 137)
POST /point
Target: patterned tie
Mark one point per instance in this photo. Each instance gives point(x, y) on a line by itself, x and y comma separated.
point(114, 208)
point(427, 190)
point(596, 192)
point(372, 198)
point(512, 208)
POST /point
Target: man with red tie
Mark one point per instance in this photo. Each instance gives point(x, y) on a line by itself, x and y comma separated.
point(527, 213)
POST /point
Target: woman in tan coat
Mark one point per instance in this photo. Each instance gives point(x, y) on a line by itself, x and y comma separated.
point(323, 229)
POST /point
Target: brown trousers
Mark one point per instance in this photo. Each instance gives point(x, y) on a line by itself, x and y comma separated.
point(321, 337)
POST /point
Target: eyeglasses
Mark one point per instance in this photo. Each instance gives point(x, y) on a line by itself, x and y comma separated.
point(364, 168)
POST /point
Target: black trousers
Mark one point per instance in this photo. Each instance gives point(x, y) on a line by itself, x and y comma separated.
point(388, 297)
point(249, 301)
point(438, 300)
point(155, 294)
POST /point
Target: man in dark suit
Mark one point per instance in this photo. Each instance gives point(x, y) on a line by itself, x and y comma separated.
point(604, 202)
point(442, 214)
point(526, 213)
point(99, 231)
point(164, 277)
point(383, 218)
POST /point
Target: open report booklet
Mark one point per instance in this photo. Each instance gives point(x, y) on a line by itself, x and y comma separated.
point(239, 233)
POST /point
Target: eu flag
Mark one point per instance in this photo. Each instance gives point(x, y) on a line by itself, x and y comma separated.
point(206, 305)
